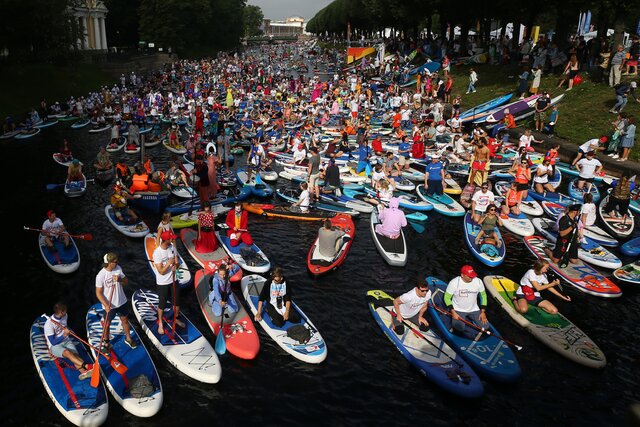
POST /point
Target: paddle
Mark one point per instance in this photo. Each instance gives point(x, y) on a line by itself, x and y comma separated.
point(564, 261)
point(221, 345)
point(54, 186)
point(474, 326)
point(95, 375)
point(86, 236)
point(116, 365)
point(419, 334)
point(504, 289)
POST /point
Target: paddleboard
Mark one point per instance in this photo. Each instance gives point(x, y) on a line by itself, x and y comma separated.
point(528, 206)
point(76, 400)
point(614, 223)
point(241, 338)
point(442, 203)
point(24, 134)
point(629, 273)
point(553, 330)
point(314, 350)
point(631, 248)
point(75, 188)
point(138, 229)
point(574, 192)
point(394, 251)
point(258, 264)
point(210, 261)
point(580, 275)
point(186, 348)
point(488, 254)
point(64, 260)
point(426, 351)
point(487, 354)
point(320, 264)
point(139, 390)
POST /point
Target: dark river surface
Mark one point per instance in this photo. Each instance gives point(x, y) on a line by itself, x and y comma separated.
point(364, 380)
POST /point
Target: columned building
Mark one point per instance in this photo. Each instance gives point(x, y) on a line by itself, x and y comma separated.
point(91, 16)
point(292, 26)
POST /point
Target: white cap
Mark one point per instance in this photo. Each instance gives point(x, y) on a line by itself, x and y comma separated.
point(634, 84)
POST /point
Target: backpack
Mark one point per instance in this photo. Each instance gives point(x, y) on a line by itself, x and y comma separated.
point(299, 333)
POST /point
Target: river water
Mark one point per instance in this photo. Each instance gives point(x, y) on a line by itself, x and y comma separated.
point(364, 380)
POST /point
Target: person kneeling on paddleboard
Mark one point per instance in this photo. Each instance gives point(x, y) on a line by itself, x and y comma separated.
point(461, 297)
point(411, 306)
point(391, 219)
point(277, 295)
point(534, 281)
point(329, 239)
point(59, 343)
point(567, 243)
point(220, 296)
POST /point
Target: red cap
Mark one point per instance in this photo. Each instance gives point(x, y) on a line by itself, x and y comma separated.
point(603, 139)
point(50, 212)
point(467, 270)
point(168, 235)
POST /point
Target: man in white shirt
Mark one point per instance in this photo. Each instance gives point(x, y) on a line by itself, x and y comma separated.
point(480, 202)
point(411, 306)
point(461, 297)
point(166, 261)
point(590, 145)
point(53, 229)
point(588, 169)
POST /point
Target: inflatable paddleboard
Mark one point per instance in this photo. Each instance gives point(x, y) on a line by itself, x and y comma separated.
point(317, 263)
point(629, 273)
point(63, 260)
point(138, 229)
point(488, 254)
point(553, 330)
point(442, 203)
point(313, 349)
point(210, 261)
point(394, 251)
point(616, 224)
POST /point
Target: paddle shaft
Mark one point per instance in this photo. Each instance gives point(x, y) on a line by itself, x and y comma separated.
point(86, 236)
point(564, 261)
point(418, 333)
point(479, 329)
point(118, 366)
point(95, 377)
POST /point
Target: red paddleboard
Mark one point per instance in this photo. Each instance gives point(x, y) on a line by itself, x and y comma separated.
point(318, 263)
point(210, 261)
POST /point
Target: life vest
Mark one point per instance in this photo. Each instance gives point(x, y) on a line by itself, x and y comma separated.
point(139, 183)
point(118, 201)
point(513, 197)
point(622, 192)
point(509, 121)
point(521, 176)
point(154, 187)
point(122, 170)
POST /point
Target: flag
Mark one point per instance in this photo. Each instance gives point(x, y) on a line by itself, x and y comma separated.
point(587, 23)
point(355, 53)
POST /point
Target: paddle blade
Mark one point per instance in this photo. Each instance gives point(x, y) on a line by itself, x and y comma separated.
point(258, 178)
point(419, 228)
point(118, 367)
point(95, 375)
point(87, 236)
point(53, 186)
point(221, 345)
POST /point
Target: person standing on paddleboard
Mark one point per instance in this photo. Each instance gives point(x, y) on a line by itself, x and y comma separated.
point(461, 297)
point(109, 291)
point(166, 261)
point(59, 343)
point(534, 281)
point(567, 236)
point(411, 306)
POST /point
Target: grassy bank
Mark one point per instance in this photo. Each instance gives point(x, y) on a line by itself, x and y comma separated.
point(24, 86)
point(584, 111)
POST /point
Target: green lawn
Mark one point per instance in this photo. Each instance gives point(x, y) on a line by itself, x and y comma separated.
point(24, 86)
point(584, 111)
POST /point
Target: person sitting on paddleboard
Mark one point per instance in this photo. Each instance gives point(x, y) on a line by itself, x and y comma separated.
point(220, 295)
point(489, 220)
point(237, 222)
point(411, 307)
point(59, 343)
point(74, 171)
point(329, 239)
point(620, 197)
point(534, 281)
point(522, 177)
point(331, 177)
point(175, 177)
point(276, 298)
point(103, 160)
point(541, 177)
point(512, 201)
point(123, 173)
point(302, 205)
point(568, 237)
point(120, 206)
point(461, 297)
point(481, 201)
point(109, 282)
point(53, 229)
point(391, 220)
point(67, 155)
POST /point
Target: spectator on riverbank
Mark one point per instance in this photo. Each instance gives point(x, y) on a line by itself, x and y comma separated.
point(617, 62)
point(629, 139)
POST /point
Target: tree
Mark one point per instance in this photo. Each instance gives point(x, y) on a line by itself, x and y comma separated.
point(122, 22)
point(252, 18)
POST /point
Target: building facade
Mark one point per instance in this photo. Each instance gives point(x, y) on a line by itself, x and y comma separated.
point(91, 17)
point(292, 26)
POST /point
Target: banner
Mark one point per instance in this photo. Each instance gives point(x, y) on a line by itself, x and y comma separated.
point(587, 23)
point(535, 33)
point(355, 53)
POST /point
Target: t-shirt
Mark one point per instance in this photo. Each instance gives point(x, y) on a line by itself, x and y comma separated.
point(404, 149)
point(104, 279)
point(588, 167)
point(412, 303)
point(525, 141)
point(52, 329)
point(327, 241)
point(314, 163)
point(332, 176)
point(304, 196)
point(162, 256)
point(54, 228)
point(434, 170)
point(377, 176)
point(526, 281)
point(465, 295)
point(483, 200)
point(544, 177)
point(590, 145)
point(589, 209)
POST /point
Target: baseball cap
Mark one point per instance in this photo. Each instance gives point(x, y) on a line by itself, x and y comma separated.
point(168, 235)
point(50, 212)
point(467, 270)
point(575, 207)
point(590, 153)
point(634, 84)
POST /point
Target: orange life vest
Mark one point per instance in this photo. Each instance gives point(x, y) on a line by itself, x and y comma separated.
point(139, 183)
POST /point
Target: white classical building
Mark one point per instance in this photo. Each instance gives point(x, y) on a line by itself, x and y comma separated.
point(91, 17)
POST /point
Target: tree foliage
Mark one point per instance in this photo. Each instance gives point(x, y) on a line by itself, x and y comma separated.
point(122, 22)
point(253, 17)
